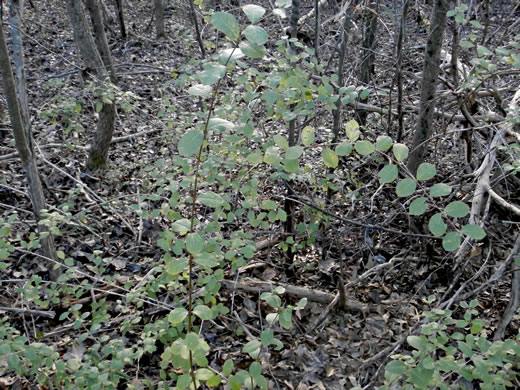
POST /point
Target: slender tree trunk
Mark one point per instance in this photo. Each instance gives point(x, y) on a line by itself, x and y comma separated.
point(289, 206)
point(100, 37)
point(399, 69)
point(98, 154)
point(27, 156)
point(316, 28)
point(158, 12)
point(369, 46)
point(423, 127)
point(197, 29)
point(341, 66)
point(121, 18)
point(15, 24)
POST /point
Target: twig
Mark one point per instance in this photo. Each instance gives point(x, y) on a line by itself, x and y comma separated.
point(28, 312)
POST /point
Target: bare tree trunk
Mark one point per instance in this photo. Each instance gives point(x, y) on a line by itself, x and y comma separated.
point(100, 37)
point(197, 29)
point(15, 24)
point(316, 28)
point(369, 45)
point(158, 12)
point(289, 205)
point(121, 18)
point(341, 67)
point(27, 156)
point(399, 69)
point(98, 154)
point(423, 127)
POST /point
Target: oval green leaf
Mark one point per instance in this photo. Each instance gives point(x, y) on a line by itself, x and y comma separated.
point(212, 199)
point(307, 136)
point(388, 174)
point(330, 158)
point(344, 148)
point(177, 315)
point(418, 206)
point(406, 187)
point(203, 312)
point(293, 152)
point(211, 73)
point(194, 243)
point(440, 189)
point(426, 171)
point(383, 143)
point(227, 24)
point(474, 231)
point(400, 152)
point(451, 241)
point(457, 209)
point(352, 130)
point(437, 225)
point(252, 50)
point(253, 12)
point(364, 148)
point(256, 35)
point(200, 90)
point(190, 143)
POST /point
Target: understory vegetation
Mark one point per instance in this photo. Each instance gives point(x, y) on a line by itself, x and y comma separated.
point(259, 223)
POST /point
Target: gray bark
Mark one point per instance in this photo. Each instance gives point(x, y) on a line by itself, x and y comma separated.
point(399, 69)
point(15, 24)
point(369, 46)
point(98, 154)
point(121, 18)
point(27, 156)
point(100, 37)
point(158, 12)
point(423, 127)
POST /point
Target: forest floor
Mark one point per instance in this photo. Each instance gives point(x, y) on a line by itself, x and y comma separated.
point(351, 345)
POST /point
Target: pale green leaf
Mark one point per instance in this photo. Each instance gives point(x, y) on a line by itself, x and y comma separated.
point(190, 143)
point(418, 206)
point(388, 174)
point(352, 130)
point(256, 35)
point(474, 231)
point(440, 189)
point(293, 152)
point(307, 136)
point(255, 158)
point(227, 24)
point(281, 142)
point(457, 209)
point(220, 124)
point(406, 187)
point(200, 90)
point(194, 243)
point(365, 148)
point(451, 241)
point(330, 158)
point(252, 50)
point(437, 225)
point(203, 312)
point(181, 226)
point(230, 55)
point(426, 171)
point(383, 143)
point(253, 12)
point(177, 315)
point(400, 152)
point(212, 199)
point(211, 73)
point(344, 148)
point(206, 260)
